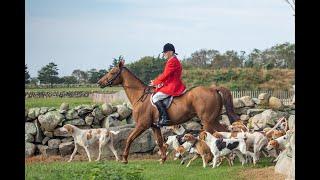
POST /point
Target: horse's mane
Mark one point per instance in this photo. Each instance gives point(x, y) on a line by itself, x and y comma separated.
point(135, 76)
point(188, 89)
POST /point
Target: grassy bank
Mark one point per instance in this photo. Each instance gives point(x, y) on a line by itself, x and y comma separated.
point(56, 102)
point(136, 169)
point(66, 89)
point(241, 78)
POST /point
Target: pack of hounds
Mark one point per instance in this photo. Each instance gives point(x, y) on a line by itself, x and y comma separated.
point(239, 142)
point(213, 148)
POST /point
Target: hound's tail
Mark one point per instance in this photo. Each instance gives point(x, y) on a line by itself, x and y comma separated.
point(115, 132)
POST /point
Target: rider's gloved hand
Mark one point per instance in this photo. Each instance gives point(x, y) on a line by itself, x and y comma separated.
point(151, 83)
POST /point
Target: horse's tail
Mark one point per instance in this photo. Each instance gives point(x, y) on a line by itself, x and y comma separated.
point(228, 103)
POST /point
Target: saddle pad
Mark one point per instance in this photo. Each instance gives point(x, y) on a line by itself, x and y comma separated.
point(167, 101)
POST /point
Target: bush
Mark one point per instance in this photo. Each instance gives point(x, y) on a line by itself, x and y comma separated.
point(240, 78)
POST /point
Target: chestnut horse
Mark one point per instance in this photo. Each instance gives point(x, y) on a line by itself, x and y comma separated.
point(206, 103)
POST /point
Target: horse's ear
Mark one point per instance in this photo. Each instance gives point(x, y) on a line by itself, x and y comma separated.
point(121, 63)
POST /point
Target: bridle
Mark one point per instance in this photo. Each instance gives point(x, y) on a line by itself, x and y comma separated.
point(109, 83)
point(147, 90)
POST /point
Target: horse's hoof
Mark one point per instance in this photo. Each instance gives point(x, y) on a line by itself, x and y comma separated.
point(124, 162)
point(162, 161)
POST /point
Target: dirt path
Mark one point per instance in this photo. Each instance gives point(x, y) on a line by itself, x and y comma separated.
point(266, 173)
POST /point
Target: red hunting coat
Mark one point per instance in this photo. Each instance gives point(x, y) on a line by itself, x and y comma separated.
point(171, 78)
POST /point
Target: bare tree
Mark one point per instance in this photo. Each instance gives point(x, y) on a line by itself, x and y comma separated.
point(292, 4)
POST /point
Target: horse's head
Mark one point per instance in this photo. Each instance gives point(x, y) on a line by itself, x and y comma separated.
point(113, 76)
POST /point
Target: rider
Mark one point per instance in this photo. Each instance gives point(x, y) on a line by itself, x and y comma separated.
point(168, 83)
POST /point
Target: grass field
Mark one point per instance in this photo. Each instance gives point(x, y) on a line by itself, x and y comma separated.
point(89, 89)
point(56, 102)
point(138, 169)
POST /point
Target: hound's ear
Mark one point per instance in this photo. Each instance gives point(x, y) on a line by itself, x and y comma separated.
point(69, 128)
point(121, 63)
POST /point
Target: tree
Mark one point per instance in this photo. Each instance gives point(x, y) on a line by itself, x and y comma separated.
point(49, 74)
point(95, 75)
point(255, 59)
point(202, 57)
point(26, 75)
point(68, 80)
point(229, 59)
point(233, 59)
point(81, 76)
point(115, 62)
point(34, 81)
point(147, 68)
point(101, 73)
point(278, 56)
point(292, 4)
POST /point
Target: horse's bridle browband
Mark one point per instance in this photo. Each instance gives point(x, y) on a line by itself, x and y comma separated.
point(147, 90)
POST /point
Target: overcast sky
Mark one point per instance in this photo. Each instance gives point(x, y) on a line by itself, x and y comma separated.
point(85, 34)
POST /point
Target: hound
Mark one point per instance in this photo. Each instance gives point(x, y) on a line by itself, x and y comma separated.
point(86, 137)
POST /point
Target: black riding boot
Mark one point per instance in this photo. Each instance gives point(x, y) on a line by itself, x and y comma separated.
point(163, 115)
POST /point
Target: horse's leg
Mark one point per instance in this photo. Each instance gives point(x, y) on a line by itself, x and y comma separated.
point(208, 123)
point(208, 127)
point(158, 136)
point(212, 125)
point(218, 127)
point(133, 135)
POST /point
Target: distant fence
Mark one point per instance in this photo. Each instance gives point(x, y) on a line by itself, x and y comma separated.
point(102, 98)
point(285, 96)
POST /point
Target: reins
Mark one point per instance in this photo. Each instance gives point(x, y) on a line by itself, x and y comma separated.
point(147, 90)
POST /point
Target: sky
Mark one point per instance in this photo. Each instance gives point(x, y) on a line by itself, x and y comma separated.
point(86, 34)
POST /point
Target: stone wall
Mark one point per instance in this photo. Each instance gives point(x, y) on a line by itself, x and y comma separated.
point(42, 124)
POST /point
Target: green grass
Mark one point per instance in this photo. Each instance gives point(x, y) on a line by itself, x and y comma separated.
point(136, 169)
point(56, 102)
point(89, 89)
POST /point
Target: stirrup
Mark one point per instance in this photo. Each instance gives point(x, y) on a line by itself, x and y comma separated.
point(163, 123)
point(160, 123)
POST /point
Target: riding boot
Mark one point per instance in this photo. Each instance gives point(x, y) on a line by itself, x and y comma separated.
point(163, 115)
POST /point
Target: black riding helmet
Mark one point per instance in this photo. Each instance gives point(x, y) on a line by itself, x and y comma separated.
point(169, 47)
